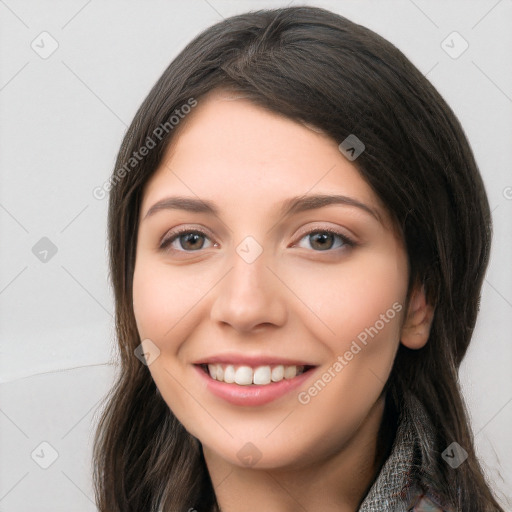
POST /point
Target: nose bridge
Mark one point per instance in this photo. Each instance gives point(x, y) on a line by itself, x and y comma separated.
point(248, 295)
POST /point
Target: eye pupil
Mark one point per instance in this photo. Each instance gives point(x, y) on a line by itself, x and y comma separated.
point(191, 238)
point(321, 238)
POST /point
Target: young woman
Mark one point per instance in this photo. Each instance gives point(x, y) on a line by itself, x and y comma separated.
point(298, 237)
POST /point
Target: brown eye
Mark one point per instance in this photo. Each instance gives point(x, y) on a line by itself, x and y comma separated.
point(321, 241)
point(185, 241)
point(191, 241)
point(325, 240)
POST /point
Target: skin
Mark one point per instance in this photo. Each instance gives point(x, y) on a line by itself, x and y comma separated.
point(298, 300)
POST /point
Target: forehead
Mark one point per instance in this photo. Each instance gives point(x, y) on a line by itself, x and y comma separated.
point(242, 156)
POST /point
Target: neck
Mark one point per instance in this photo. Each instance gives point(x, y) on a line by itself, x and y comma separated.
point(334, 483)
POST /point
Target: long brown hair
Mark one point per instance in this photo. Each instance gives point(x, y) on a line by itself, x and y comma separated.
point(314, 66)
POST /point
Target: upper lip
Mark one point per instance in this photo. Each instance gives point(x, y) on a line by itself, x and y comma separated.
point(244, 359)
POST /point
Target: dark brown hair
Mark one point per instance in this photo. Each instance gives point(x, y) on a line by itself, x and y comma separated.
point(314, 66)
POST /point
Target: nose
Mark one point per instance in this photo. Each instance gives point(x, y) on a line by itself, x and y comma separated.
point(249, 297)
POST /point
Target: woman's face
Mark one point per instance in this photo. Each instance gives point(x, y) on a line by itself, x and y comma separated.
point(249, 272)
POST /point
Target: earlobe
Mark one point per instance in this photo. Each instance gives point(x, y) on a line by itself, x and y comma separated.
point(418, 320)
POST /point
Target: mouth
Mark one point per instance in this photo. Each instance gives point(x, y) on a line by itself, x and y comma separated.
point(245, 375)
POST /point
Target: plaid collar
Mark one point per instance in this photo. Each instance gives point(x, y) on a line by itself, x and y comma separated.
point(397, 488)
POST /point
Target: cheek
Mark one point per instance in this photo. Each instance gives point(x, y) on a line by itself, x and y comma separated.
point(150, 301)
point(359, 299)
point(361, 308)
point(165, 298)
point(167, 302)
point(358, 314)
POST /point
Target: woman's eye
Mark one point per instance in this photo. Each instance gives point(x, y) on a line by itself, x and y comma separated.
point(185, 241)
point(325, 240)
point(193, 240)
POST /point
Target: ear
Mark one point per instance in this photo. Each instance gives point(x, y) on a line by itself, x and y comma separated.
point(418, 320)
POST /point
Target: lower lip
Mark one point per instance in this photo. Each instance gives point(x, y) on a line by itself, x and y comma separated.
point(252, 394)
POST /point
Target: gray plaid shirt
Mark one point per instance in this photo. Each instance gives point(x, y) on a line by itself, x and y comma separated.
point(395, 489)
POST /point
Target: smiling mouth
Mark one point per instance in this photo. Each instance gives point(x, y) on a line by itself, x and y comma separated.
point(244, 375)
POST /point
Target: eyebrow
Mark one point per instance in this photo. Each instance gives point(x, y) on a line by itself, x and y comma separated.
point(289, 207)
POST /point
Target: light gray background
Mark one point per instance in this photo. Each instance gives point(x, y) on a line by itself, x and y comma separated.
point(63, 118)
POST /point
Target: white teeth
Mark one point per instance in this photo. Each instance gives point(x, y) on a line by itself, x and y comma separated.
point(229, 374)
point(262, 375)
point(290, 372)
point(278, 373)
point(245, 375)
point(212, 368)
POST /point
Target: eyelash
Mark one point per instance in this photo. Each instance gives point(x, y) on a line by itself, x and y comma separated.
point(167, 241)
